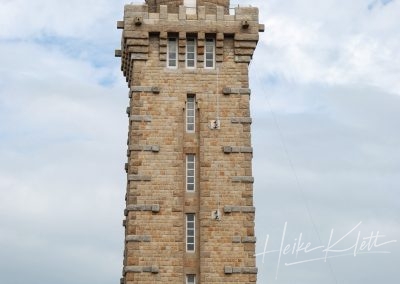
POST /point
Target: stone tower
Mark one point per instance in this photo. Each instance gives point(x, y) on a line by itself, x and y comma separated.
point(189, 196)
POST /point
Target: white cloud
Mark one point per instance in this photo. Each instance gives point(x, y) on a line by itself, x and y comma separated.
point(332, 44)
point(327, 70)
point(89, 19)
point(61, 170)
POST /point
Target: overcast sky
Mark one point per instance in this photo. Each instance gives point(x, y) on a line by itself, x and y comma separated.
point(325, 99)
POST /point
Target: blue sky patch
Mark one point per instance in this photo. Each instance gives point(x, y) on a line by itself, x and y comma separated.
point(373, 4)
point(97, 53)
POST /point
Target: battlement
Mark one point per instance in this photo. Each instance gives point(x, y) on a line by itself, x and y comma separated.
point(169, 13)
point(139, 23)
point(173, 5)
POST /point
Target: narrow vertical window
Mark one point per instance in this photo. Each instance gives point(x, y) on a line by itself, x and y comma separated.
point(209, 54)
point(190, 172)
point(191, 53)
point(190, 279)
point(190, 113)
point(172, 61)
point(190, 234)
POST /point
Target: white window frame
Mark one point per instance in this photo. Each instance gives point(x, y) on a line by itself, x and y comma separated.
point(209, 43)
point(190, 232)
point(191, 113)
point(191, 42)
point(172, 44)
point(191, 6)
point(190, 172)
point(191, 279)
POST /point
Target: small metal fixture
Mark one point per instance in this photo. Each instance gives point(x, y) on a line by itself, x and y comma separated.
point(216, 215)
point(215, 124)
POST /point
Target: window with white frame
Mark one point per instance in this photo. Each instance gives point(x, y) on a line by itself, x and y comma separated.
point(209, 54)
point(172, 58)
point(190, 6)
point(190, 232)
point(190, 113)
point(190, 279)
point(191, 52)
point(190, 172)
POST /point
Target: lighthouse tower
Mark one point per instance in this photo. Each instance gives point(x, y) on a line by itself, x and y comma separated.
point(189, 195)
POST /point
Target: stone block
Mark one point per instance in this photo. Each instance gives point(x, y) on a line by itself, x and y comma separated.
point(138, 178)
point(248, 209)
point(236, 239)
point(140, 118)
point(227, 149)
point(228, 270)
point(249, 270)
point(154, 269)
point(248, 240)
point(163, 12)
point(243, 179)
point(133, 269)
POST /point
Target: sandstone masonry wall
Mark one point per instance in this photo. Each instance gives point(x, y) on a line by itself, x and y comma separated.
point(156, 199)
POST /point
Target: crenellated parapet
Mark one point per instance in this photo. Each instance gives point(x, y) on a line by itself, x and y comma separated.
point(140, 22)
point(173, 5)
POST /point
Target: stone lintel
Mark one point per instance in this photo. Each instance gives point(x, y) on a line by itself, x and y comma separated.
point(243, 58)
point(140, 269)
point(141, 118)
point(235, 149)
point(249, 270)
point(236, 91)
point(146, 148)
point(135, 238)
point(240, 270)
point(138, 178)
point(243, 179)
point(154, 269)
point(236, 239)
point(152, 207)
point(241, 120)
point(228, 270)
point(244, 240)
point(248, 209)
point(243, 209)
point(249, 240)
point(145, 89)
